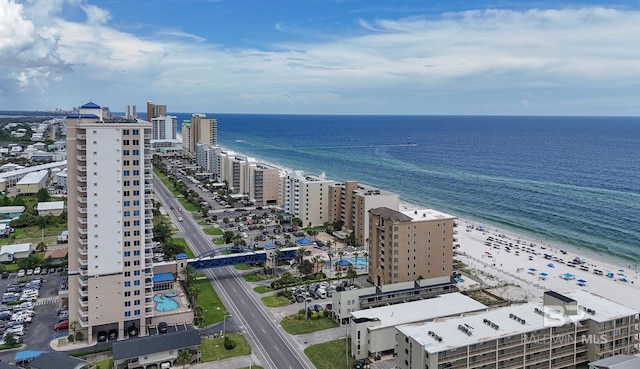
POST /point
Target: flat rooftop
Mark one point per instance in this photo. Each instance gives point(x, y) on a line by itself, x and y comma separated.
point(507, 321)
point(447, 304)
point(427, 214)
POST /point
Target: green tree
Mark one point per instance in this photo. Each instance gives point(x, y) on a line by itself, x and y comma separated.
point(351, 274)
point(300, 252)
point(29, 262)
point(171, 249)
point(43, 195)
point(161, 232)
point(305, 267)
point(228, 236)
point(41, 247)
point(189, 275)
point(184, 357)
point(10, 340)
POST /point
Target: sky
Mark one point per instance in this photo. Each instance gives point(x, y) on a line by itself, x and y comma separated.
point(494, 57)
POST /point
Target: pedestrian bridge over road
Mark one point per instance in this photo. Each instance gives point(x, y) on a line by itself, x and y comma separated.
point(232, 255)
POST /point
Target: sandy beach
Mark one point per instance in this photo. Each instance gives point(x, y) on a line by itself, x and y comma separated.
point(525, 260)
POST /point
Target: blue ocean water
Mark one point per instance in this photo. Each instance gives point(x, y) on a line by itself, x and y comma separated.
point(571, 180)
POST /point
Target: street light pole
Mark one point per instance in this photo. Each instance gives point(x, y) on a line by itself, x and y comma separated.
point(204, 318)
point(224, 323)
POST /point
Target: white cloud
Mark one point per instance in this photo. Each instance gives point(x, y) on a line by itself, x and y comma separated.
point(484, 54)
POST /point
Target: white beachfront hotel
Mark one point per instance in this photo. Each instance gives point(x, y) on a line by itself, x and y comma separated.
point(565, 331)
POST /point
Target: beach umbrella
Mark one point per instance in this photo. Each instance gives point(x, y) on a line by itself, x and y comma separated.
point(550, 265)
point(532, 269)
point(582, 281)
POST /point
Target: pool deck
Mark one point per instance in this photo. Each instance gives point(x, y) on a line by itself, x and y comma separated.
point(181, 299)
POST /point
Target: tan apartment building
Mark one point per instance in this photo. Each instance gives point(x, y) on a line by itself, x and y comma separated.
point(110, 275)
point(200, 130)
point(350, 203)
point(566, 330)
point(264, 184)
point(306, 197)
point(154, 111)
point(409, 245)
point(187, 138)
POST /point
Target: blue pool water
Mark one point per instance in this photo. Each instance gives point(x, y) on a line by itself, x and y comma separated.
point(362, 262)
point(165, 303)
point(171, 294)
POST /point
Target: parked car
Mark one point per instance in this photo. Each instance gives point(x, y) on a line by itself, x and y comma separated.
point(37, 270)
point(62, 325)
point(21, 273)
point(102, 336)
point(163, 327)
point(5, 275)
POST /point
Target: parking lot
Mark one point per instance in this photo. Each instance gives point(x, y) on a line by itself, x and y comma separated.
point(40, 331)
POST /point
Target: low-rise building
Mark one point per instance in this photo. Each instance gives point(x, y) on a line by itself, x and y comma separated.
point(32, 182)
point(156, 349)
point(346, 302)
point(617, 362)
point(50, 208)
point(10, 253)
point(373, 331)
point(564, 331)
point(11, 212)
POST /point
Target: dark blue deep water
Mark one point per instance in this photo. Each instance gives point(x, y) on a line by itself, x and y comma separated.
point(570, 180)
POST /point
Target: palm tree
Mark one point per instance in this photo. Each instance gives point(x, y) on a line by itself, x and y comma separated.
point(330, 255)
point(355, 255)
point(188, 273)
point(275, 262)
point(300, 254)
point(184, 357)
point(340, 254)
point(316, 260)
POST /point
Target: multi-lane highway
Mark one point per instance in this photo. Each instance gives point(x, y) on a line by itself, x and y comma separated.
point(273, 347)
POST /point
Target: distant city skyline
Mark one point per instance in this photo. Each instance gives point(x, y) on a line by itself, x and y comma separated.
point(323, 56)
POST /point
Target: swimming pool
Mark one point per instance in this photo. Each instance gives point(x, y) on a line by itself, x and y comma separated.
point(361, 263)
point(165, 303)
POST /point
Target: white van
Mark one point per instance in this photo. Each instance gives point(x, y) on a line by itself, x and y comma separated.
point(165, 365)
point(322, 293)
point(179, 219)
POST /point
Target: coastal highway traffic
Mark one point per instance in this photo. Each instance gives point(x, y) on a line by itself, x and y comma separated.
point(273, 347)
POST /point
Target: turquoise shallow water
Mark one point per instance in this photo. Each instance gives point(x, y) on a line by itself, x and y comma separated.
point(570, 180)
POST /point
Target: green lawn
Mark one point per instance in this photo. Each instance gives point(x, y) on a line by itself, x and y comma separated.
point(242, 267)
point(255, 277)
point(275, 301)
point(213, 349)
point(329, 355)
point(166, 182)
point(263, 289)
point(296, 324)
point(34, 235)
point(187, 250)
point(218, 241)
point(213, 231)
point(209, 299)
point(188, 205)
point(104, 364)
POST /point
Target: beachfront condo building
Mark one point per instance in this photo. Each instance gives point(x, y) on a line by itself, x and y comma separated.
point(306, 197)
point(201, 130)
point(154, 111)
point(409, 245)
point(164, 127)
point(264, 184)
point(373, 330)
point(130, 112)
point(565, 330)
point(187, 138)
point(110, 275)
point(350, 203)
